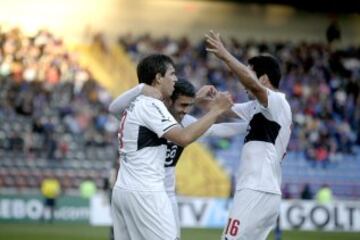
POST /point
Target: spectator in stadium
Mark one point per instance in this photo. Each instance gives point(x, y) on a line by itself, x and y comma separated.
point(333, 32)
point(258, 195)
point(50, 189)
point(140, 206)
point(179, 105)
point(87, 188)
point(324, 194)
point(285, 190)
point(306, 193)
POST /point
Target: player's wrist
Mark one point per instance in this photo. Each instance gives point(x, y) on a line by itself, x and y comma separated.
point(216, 111)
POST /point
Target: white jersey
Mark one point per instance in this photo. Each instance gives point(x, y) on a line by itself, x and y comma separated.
point(265, 143)
point(142, 150)
point(174, 151)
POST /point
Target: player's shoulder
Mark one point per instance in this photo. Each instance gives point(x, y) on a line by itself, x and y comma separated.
point(277, 96)
point(148, 107)
point(275, 93)
point(148, 101)
point(280, 103)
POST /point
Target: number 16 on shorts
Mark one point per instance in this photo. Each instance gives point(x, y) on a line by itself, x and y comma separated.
point(232, 227)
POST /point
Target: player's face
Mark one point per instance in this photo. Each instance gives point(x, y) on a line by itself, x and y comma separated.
point(168, 81)
point(181, 106)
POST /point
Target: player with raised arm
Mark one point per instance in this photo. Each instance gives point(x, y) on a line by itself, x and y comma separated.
point(179, 105)
point(257, 199)
point(141, 209)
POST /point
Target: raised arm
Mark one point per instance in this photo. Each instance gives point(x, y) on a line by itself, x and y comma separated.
point(246, 76)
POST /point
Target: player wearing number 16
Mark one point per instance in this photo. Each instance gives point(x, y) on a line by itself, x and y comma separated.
point(257, 198)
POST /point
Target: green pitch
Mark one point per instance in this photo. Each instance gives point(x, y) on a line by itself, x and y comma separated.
point(12, 231)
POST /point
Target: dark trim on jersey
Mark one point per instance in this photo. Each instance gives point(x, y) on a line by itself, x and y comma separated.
point(173, 153)
point(148, 138)
point(169, 127)
point(262, 129)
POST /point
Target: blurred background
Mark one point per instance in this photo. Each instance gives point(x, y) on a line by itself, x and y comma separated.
point(62, 63)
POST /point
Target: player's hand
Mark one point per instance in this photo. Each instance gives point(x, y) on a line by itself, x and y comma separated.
point(222, 102)
point(215, 45)
point(151, 92)
point(207, 92)
point(204, 97)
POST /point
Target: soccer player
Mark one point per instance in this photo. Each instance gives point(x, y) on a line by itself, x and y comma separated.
point(141, 208)
point(179, 105)
point(257, 199)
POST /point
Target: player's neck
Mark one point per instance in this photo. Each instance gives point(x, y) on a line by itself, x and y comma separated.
point(161, 97)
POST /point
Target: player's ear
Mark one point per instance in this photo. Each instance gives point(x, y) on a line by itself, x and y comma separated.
point(264, 80)
point(157, 78)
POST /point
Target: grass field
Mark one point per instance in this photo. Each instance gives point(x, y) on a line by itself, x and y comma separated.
point(85, 232)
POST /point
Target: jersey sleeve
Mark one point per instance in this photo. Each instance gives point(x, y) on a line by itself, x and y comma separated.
point(219, 129)
point(119, 104)
point(157, 118)
point(243, 110)
point(227, 129)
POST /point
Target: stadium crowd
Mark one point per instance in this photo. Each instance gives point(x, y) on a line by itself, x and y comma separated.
point(322, 85)
point(52, 108)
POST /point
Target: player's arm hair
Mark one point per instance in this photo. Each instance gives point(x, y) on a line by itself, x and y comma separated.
point(225, 129)
point(185, 136)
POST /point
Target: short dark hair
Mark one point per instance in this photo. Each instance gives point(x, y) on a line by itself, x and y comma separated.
point(267, 64)
point(152, 65)
point(183, 88)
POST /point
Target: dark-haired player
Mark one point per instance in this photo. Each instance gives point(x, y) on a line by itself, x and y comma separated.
point(257, 199)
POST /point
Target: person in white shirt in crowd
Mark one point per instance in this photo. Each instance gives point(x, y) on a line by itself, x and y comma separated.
point(257, 199)
point(179, 105)
point(140, 207)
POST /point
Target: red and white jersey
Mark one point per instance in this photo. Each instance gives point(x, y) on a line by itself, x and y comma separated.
point(142, 150)
point(265, 142)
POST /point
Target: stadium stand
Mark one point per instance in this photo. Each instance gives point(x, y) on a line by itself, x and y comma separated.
point(54, 121)
point(322, 84)
point(53, 115)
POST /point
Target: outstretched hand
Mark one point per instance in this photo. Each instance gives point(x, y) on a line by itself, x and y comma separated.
point(206, 92)
point(215, 45)
point(204, 96)
point(222, 102)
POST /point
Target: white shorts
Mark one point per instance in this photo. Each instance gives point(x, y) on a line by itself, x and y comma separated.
point(142, 215)
point(252, 216)
point(175, 209)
